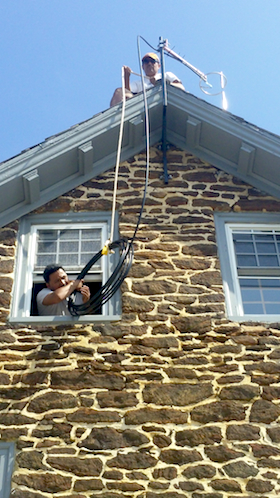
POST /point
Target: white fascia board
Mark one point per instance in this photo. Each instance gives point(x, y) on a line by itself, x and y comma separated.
point(61, 154)
point(262, 170)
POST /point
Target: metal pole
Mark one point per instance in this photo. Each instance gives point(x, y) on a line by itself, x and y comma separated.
point(162, 43)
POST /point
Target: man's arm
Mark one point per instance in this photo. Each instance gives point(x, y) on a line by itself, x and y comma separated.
point(172, 79)
point(118, 93)
point(62, 293)
point(178, 84)
point(127, 73)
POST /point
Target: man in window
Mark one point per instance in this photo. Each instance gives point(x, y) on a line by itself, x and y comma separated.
point(53, 300)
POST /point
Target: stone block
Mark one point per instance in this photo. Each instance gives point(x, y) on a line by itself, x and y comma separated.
point(222, 453)
point(259, 486)
point(243, 432)
point(180, 457)
point(132, 461)
point(240, 469)
point(47, 482)
point(218, 412)
point(90, 467)
point(263, 411)
point(109, 438)
point(176, 394)
point(77, 379)
point(205, 435)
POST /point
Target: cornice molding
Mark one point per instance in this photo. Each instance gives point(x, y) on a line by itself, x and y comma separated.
point(65, 161)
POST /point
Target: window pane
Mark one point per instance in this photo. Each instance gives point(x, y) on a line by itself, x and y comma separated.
point(246, 260)
point(248, 282)
point(47, 234)
point(272, 295)
point(44, 260)
point(69, 260)
point(91, 246)
point(268, 261)
point(261, 295)
point(91, 234)
point(68, 246)
point(272, 308)
point(44, 247)
point(85, 259)
point(69, 234)
point(250, 294)
point(271, 282)
point(266, 248)
point(244, 247)
point(253, 309)
point(264, 237)
point(241, 236)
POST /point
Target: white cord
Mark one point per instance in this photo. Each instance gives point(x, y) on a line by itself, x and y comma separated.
point(146, 112)
point(118, 159)
point(224, 99)
point(105, 249)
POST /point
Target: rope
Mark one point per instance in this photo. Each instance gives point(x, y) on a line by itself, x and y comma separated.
point(118, 158)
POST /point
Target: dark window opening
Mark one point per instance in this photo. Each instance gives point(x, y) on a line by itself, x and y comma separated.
point(94, 287)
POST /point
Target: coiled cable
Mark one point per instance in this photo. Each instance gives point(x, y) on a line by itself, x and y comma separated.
point(93, 305)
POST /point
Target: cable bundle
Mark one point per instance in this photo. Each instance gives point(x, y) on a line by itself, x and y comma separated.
point(113, 283)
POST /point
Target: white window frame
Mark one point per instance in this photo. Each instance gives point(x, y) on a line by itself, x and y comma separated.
point(7, 456)
point(225, 224)
point(23, 281)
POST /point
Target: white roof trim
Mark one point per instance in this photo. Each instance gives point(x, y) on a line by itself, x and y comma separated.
point(67, 160)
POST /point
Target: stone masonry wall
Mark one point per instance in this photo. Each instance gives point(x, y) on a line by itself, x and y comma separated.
point(175, 400)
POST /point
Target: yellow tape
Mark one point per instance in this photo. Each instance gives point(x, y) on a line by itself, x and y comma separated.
point(105, 250)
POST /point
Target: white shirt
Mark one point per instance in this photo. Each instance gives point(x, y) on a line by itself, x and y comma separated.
point(136, 86)
point(59, 309)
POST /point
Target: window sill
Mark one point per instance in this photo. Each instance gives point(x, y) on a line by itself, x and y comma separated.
point(255, 318)
point(58, 320)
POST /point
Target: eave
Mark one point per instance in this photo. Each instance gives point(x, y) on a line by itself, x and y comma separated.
point(226, 141)
point(67, 160)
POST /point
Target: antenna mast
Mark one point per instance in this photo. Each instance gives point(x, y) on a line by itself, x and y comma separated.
point(166, 176)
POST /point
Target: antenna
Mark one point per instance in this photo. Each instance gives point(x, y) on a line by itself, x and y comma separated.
point(204, 83)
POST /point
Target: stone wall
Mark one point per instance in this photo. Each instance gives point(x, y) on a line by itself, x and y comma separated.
point(173, 401)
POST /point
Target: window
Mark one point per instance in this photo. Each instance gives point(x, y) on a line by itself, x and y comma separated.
point(70, 240)
point(7, 451)
point(249, 249)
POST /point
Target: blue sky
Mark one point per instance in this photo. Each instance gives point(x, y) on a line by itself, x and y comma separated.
point(61, 59)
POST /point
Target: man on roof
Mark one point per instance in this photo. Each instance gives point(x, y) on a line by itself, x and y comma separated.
point(53, 299)
point(151, 65)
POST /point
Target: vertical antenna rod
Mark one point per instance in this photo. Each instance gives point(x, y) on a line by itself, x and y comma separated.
point(162, 43)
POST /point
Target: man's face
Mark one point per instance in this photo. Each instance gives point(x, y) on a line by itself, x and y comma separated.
point(57, 279)
point(150, 67)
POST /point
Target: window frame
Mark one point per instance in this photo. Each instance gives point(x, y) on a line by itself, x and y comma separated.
point(23, 280)
point(224, 223)
point(7, 457)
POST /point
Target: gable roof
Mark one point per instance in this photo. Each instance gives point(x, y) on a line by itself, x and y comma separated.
point(67, 160)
